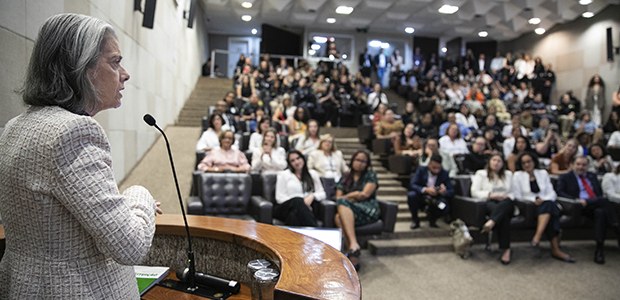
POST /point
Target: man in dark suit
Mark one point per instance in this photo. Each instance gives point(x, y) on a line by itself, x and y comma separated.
point(430, 187)
point(585, 187)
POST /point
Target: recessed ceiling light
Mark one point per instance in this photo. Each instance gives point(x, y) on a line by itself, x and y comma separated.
point(448, 9)
point(246, 18)
point(534, 21)
point(344, 10)
point(444, 49)
point(312, 52)
point(539, 30)
point(587, 14)
point(374, 43)
point(409, 30)
point(344, 56)
point(315, 47)
point(320, 39)
point(254, 31)
point(331, 20)
point(585, 2)
point(246, 4)
point(483, 34)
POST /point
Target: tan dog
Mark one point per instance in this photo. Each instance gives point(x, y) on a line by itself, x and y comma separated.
point(461, 239)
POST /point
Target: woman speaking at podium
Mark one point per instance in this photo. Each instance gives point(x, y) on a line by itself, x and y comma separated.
point(69, 232)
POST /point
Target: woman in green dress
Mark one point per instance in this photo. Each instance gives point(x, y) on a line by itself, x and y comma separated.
point(357, 204)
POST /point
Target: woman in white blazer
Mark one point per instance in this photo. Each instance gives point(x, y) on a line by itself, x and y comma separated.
point(70, 234)
point(611, 185)
point(493, 185)
point(532, 184)
point(296, 189)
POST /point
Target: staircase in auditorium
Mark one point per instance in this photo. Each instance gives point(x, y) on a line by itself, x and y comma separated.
point(403, 240)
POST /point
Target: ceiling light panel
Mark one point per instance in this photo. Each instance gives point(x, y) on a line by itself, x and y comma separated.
point(344, 10)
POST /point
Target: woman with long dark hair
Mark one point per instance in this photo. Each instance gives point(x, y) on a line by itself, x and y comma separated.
point(296, 189)
point(530, 183)
point(493, 185)
point(595, 98)
point(357, 203)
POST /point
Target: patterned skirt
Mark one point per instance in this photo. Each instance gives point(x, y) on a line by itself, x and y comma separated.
point(365, 212)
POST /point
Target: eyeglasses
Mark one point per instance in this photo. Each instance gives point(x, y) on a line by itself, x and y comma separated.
point(363, 161)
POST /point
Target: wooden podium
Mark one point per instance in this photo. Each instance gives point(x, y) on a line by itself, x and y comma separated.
point(309, 269)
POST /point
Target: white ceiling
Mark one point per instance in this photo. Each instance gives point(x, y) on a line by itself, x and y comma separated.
point(502, 19)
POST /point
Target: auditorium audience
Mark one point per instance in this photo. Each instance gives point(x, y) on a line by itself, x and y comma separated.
point(327, 160)
point(595, 99)
point(408, 143)
point(584, 186)
point(430, 187)
point(297, 188)
point(532, 184)
point(388, 126)
point(269, 158)
point(210, 137)
point(560, 163)
point(309, 141)
point(522, 145)
point(611, 185)
point(598, 161)
point(357, 204)
point(493, 185)
point(225, 158)
point(256, 138)
point(452, 143)
point(69, 232)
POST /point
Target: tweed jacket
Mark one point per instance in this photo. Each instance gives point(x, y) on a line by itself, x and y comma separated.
point(70, 234)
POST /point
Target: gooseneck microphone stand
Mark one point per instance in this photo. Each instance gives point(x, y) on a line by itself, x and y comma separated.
point(191, 276)
point(212, 287)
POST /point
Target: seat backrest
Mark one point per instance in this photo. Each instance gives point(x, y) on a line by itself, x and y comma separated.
point(329, 185)
point(244, 142)
point(225, 193)
point(462, 186)
point(269, 187)
point(614, 153)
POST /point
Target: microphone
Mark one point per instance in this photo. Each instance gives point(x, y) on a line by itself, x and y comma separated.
point(210, 280)
point(191, 279)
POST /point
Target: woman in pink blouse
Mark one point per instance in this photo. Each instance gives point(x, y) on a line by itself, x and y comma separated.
point(225, 158)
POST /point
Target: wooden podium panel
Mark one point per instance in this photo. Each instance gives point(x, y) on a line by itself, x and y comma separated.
point(309, 269)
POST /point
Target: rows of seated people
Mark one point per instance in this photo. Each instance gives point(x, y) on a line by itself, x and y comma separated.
point(475, 121)
point(282, 126)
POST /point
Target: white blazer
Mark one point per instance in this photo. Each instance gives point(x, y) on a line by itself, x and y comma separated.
point(481, 186)
point(521, 186)
point(611, 186)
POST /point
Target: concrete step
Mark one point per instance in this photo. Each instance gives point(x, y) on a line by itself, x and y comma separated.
point(418, 245)
point(388, 182)
point(392, 191)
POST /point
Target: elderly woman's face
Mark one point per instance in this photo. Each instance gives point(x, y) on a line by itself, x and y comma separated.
point(108, 76)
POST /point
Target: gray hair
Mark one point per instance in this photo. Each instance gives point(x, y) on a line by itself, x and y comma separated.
point(68, 46)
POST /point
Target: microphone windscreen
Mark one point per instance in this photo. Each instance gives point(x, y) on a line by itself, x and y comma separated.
point(149, 119)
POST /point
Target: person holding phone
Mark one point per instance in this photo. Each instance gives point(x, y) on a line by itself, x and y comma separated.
point(430, 187)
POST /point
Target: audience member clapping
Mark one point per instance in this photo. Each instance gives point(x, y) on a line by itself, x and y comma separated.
point(225, 158)
point(269, 158)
